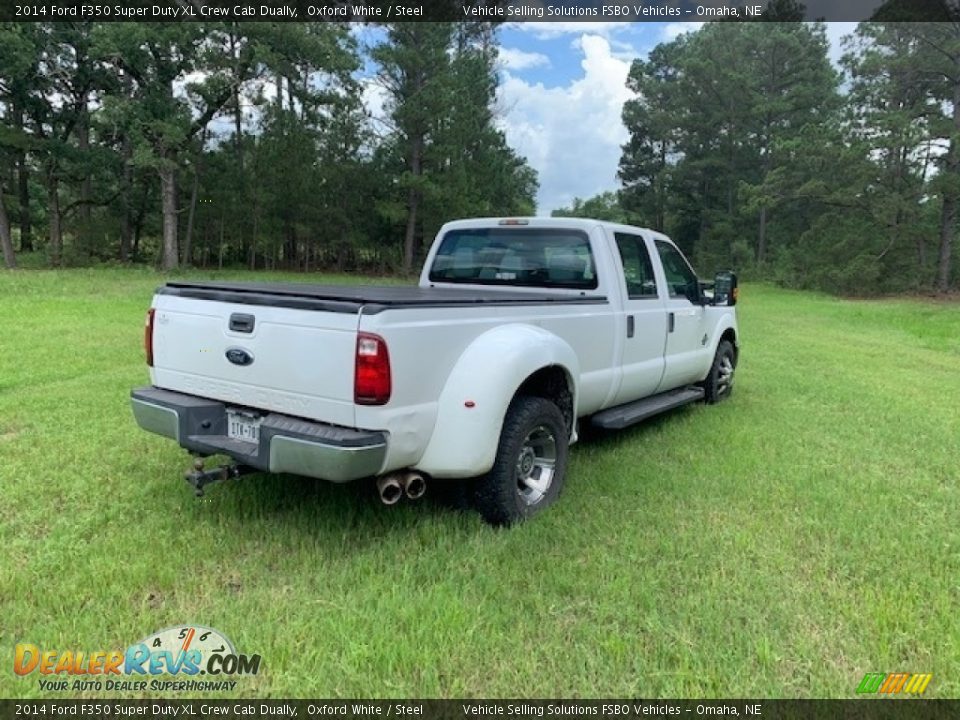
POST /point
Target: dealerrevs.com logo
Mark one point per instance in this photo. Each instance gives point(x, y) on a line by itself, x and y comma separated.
point(173, 659)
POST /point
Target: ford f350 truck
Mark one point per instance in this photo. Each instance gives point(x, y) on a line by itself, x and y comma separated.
point(519, 329)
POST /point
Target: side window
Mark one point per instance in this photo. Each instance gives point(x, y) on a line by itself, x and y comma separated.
point(681, 280)
point(637, 269)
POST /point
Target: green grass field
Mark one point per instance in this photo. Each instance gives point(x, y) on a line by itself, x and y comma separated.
point(780, 544)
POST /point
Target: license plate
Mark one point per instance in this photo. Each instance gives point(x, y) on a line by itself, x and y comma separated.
point(241, 427)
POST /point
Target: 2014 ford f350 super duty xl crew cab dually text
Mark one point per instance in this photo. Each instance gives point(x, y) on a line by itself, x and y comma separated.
point(518, 330)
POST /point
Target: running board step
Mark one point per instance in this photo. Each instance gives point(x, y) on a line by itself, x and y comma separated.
point(625, 415)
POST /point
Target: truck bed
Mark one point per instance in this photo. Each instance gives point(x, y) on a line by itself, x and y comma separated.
point(372, 298)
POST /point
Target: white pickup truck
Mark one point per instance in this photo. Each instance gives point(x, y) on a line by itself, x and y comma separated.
point(519, 329)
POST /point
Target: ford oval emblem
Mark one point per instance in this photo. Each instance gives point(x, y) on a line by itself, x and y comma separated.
point(239, 356)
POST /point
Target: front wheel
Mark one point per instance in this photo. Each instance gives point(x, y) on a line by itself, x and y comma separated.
point(528, 472)
point(719, 383)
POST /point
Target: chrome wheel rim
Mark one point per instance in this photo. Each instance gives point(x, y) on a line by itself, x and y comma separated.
point(725, 375)
point(536, 464)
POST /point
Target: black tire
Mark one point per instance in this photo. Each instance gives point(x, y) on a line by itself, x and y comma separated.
point(532, 425)
point(719, 383)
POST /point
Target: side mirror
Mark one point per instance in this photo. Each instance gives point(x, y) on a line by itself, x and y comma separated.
point(725, 288)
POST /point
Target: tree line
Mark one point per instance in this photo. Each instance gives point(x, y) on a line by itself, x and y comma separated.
point(247, 143)
point(217, 144)
point(752, 151)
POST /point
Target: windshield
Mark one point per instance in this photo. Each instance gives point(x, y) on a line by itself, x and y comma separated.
point(520, 257)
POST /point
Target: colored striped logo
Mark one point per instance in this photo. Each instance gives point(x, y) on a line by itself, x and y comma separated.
point(893, 683)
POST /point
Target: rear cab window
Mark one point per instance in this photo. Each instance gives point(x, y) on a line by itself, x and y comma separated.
point(516, 257)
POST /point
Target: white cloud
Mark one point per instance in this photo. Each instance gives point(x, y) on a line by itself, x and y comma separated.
point(673, 30)
point(571, 134)
point(625, 50)
point(514, 59)
point(836, 31)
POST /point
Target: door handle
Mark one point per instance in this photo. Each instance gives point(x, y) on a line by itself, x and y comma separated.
point(239, 322)
point(630, 326)
point(671, 321)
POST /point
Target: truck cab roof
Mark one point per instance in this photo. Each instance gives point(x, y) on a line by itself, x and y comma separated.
point(544, 221)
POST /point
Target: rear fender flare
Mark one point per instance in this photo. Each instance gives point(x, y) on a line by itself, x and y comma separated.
point(488, 375)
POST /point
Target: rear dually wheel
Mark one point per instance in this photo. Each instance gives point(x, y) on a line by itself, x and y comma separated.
point(528, 472)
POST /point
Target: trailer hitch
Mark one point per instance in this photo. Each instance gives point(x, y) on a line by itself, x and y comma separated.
point(200, 478)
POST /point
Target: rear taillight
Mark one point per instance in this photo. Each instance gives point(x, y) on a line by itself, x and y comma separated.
point(371, 383)
point(148, 337)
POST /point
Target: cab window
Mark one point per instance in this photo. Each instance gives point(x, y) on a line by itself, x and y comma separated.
point(681, 280)
point(637, 268)
point(520, 257)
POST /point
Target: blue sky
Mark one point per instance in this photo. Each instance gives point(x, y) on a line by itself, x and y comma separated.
point(562, 92)
point(557, 44)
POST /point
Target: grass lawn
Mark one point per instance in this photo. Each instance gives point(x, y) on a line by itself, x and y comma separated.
point(783, 543)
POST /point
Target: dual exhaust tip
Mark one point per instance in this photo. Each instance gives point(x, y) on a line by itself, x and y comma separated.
point(394, 486)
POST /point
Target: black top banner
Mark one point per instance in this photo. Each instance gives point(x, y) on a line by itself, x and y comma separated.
point(478, 10)
point(624, 709)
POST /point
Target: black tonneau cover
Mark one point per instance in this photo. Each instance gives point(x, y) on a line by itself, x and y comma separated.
point(372, 298)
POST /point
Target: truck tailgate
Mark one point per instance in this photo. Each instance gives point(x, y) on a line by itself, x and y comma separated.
point(294, 361)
